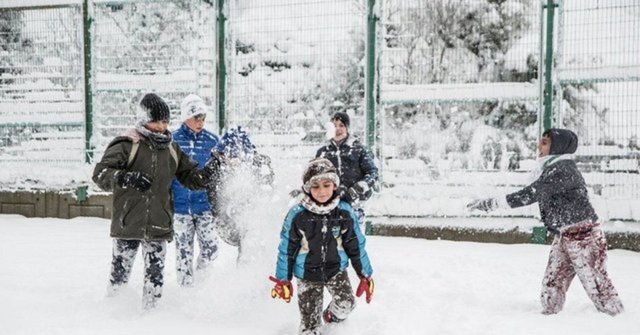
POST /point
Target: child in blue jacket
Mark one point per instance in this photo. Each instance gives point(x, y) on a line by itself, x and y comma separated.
point(193, 215)
point(319, 237)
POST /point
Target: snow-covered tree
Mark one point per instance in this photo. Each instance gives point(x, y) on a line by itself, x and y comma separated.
point(11, 41)
point(488, 29)
point(291, 75)
point(153, 37)
point(455, 41)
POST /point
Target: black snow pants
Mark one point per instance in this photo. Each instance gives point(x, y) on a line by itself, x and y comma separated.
point(310, 301)
point(124, 254)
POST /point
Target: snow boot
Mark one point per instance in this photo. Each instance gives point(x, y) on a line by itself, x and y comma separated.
point(329, 317)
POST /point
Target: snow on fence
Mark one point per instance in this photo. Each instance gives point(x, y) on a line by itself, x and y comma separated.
point(289, 70)
point(461, 101)
point(41, 85)
point(139, 46)
point(459, 86)
point(430, 93)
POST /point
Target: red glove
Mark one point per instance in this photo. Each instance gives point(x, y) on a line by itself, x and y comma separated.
point(366, 286)
point(283, 289)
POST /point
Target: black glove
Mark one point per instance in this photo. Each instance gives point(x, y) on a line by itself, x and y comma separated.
point(212, 166)
point(135, 179)
point(358, 190)
point(343, 193)
point(486, 205)
point(295, 193)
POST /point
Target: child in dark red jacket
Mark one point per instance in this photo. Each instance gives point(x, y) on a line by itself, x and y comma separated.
point(579, 246)
point(319, 237)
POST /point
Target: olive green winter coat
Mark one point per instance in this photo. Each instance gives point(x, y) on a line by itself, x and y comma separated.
point(144, 215)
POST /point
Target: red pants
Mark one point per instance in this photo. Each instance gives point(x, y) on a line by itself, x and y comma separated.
point(580, 250)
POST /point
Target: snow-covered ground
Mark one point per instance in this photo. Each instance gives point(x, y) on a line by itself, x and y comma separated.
point(54, 275)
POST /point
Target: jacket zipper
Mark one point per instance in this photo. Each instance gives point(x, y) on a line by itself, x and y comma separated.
point(154, 164)
point(339, 160)
point(323, 252)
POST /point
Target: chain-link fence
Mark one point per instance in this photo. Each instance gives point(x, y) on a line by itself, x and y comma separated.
point(167, 47)
point(598, 83)
point(463, 99)
point(119, 50)
point(293, 64)
point(41, 87)
point(460, 84)
point(459, 92)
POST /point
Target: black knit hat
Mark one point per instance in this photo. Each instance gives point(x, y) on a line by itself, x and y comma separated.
point(155, 109)
point(343, 117)
point(318, 169)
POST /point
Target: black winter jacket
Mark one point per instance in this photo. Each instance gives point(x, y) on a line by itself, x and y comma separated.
point(353, 162)
point(560, 191)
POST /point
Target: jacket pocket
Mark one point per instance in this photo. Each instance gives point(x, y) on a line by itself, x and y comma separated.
point(121, 207)
point(128, 211)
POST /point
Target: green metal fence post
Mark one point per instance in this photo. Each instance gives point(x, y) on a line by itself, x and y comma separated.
point(88, 97)
point(539, 235)
point(221, 74)
point(370, 76)
point(548, 62)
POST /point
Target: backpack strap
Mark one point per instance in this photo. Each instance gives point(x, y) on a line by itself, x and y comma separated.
point(134, 151)
point(174, 154)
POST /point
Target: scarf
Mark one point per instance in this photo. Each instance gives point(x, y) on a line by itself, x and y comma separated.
point(314, 207)
point(158, 140)
point(547, 161)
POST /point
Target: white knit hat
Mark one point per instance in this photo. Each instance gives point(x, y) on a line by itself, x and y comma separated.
point(192, 105)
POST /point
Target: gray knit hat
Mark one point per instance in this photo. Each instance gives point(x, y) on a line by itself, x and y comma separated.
point(318, 169)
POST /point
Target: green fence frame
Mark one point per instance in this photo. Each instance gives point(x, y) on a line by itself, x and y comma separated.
point(372, 102)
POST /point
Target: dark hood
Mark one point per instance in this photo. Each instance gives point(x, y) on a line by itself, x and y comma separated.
point(563, 141)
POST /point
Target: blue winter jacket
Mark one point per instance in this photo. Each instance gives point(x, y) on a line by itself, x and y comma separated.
point(315, 247)
point(197, 147)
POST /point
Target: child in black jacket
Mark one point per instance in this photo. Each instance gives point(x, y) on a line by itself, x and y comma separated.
point(319, 237)
point(354, 164)
point(579, 246)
